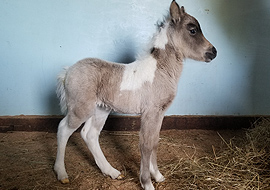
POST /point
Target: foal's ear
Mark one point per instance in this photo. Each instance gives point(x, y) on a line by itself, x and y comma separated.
point(176, 12)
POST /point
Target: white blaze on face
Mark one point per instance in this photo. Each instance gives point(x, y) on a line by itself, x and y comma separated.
point(137, 73)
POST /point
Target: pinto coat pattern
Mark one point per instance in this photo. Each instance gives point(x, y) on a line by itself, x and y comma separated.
point(91, 88)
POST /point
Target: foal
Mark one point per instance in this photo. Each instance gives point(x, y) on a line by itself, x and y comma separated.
point(91, 88)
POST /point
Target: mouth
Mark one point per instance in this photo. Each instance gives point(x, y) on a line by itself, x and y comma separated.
point(210, 55)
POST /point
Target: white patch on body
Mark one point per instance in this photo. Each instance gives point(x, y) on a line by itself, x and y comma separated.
point(161, 39)
point(138, 72)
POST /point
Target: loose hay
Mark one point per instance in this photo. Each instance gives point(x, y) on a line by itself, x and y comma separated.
point(240, 164)
point(185, 159)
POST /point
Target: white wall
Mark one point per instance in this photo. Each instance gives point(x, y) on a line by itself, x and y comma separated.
point(38, 38)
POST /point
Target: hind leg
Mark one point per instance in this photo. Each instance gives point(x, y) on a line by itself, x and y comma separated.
point(66, 127)
point(63, 134)
point(90, 134)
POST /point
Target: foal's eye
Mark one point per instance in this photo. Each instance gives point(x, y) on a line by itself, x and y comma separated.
point(192, 31)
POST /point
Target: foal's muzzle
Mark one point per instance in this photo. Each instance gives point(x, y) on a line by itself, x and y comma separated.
point(210, 54)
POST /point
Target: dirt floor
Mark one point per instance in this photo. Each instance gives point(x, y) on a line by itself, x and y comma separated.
point(27, 158)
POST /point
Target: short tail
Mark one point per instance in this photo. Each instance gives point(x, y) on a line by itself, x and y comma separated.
point(60, 91)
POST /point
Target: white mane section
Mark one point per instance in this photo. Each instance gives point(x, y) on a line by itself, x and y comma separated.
point(161, 39)
point(143, 69)
point(138, 72)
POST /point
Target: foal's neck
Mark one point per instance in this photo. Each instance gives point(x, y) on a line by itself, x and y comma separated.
point(169, 61)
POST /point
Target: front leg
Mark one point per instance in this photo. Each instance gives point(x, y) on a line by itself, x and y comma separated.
point(155, 173)
point(149, 135)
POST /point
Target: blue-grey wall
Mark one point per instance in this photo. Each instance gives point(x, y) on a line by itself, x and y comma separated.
point(39, 37)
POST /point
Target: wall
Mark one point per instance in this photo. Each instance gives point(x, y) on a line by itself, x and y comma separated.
point(38, 38)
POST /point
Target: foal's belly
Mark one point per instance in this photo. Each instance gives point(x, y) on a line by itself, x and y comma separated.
point(126, 102)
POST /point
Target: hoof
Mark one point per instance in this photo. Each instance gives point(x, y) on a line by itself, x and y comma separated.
point(64, 181)
point(120, 177)
point(161, 179)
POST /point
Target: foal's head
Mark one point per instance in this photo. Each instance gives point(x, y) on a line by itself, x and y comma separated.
point(185, 34)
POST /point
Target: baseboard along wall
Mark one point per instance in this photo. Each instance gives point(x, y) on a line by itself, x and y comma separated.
point(130, 123)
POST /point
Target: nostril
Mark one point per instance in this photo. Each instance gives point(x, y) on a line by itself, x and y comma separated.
point(214, 50)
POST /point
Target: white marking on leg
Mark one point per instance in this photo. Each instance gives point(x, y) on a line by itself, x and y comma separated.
point(90, 134)
point(63, 134)
point(138, 72)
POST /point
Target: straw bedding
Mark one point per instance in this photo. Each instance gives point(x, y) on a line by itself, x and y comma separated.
point(240, 164)
point(189, 159)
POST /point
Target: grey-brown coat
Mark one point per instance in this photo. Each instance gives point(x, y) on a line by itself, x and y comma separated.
point(91, 88)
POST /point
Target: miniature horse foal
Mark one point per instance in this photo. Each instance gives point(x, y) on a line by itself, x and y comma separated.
point(91, 88)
